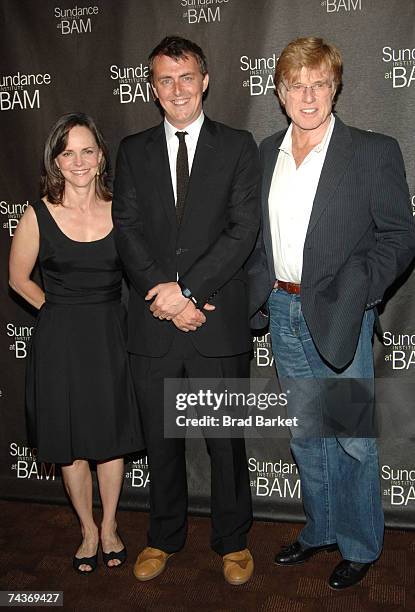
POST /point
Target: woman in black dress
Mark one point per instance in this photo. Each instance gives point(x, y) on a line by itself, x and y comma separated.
point(79, 393)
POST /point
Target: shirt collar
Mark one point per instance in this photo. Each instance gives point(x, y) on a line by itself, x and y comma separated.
point(193, 129)
point(286, 145)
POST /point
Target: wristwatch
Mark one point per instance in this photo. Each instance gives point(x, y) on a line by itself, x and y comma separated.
point(186, 292)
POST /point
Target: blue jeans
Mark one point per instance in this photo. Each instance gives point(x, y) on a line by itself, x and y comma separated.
point(339, 475)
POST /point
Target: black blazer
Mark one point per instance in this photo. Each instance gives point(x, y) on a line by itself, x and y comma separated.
point(217, 234)
point(360, 238)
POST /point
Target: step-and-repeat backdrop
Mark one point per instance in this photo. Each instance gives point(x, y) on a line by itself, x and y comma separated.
point(58, 56)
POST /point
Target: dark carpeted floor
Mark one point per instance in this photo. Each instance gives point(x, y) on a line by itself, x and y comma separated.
point(37, 542)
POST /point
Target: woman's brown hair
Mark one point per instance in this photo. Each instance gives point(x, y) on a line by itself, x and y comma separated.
point(52, 181)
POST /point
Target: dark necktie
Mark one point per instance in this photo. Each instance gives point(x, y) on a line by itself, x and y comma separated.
point(182, 176)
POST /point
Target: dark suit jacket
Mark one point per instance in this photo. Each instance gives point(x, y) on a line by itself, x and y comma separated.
point(208, 251)
point(360, 238)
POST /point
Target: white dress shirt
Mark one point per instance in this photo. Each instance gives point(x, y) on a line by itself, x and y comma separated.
point(193, 131)
point(290, 203)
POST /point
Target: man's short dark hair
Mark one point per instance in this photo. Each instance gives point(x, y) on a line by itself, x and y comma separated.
point(177, 48)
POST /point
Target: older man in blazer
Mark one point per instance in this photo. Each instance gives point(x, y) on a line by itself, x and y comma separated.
point(337, 231)
point(186, 215)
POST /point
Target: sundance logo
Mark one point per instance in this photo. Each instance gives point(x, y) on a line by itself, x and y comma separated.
point(133, 85)
point(16, 90)
point(76, 20)
point(275, 479)
point(13, 213)
point(259, 72)
point(347, 6)
point(402, 355)
point(263, 355)
point(402, 485)
point(27, 467)
point(202, 11)
point(21, 335)
point(402, 72)
point(139, 476)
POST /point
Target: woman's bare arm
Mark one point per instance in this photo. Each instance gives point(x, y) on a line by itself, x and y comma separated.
point(23, 255)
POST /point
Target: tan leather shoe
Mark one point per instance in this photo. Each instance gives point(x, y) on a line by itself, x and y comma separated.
point(150, 563)
point(238, 566)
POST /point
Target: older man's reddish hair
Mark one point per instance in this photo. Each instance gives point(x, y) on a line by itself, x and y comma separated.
point(310, 52)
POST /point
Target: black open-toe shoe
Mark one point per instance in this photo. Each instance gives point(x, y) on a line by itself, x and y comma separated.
point(91, 561)
point(121, 556)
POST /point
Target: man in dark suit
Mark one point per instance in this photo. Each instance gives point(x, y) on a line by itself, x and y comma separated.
point(186, 216)
point(337, 231)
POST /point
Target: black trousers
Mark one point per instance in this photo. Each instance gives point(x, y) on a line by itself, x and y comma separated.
point(231, 506)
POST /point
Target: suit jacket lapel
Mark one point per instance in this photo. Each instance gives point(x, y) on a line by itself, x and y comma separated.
point(269, 162)
point(339, 154)
point(159, 168)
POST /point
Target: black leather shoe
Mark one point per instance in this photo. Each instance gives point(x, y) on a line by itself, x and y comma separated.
point(347, 574)
point(296, 553)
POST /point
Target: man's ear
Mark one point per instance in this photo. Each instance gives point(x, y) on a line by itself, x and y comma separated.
point(205, 82)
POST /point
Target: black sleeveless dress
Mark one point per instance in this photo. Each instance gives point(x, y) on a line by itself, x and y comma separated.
point(80, 400)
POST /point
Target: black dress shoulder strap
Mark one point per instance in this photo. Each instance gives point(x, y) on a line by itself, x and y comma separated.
point(37, 206)
point(45, 220)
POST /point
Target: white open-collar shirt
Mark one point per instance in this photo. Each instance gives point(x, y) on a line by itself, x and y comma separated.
point(290, 202)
